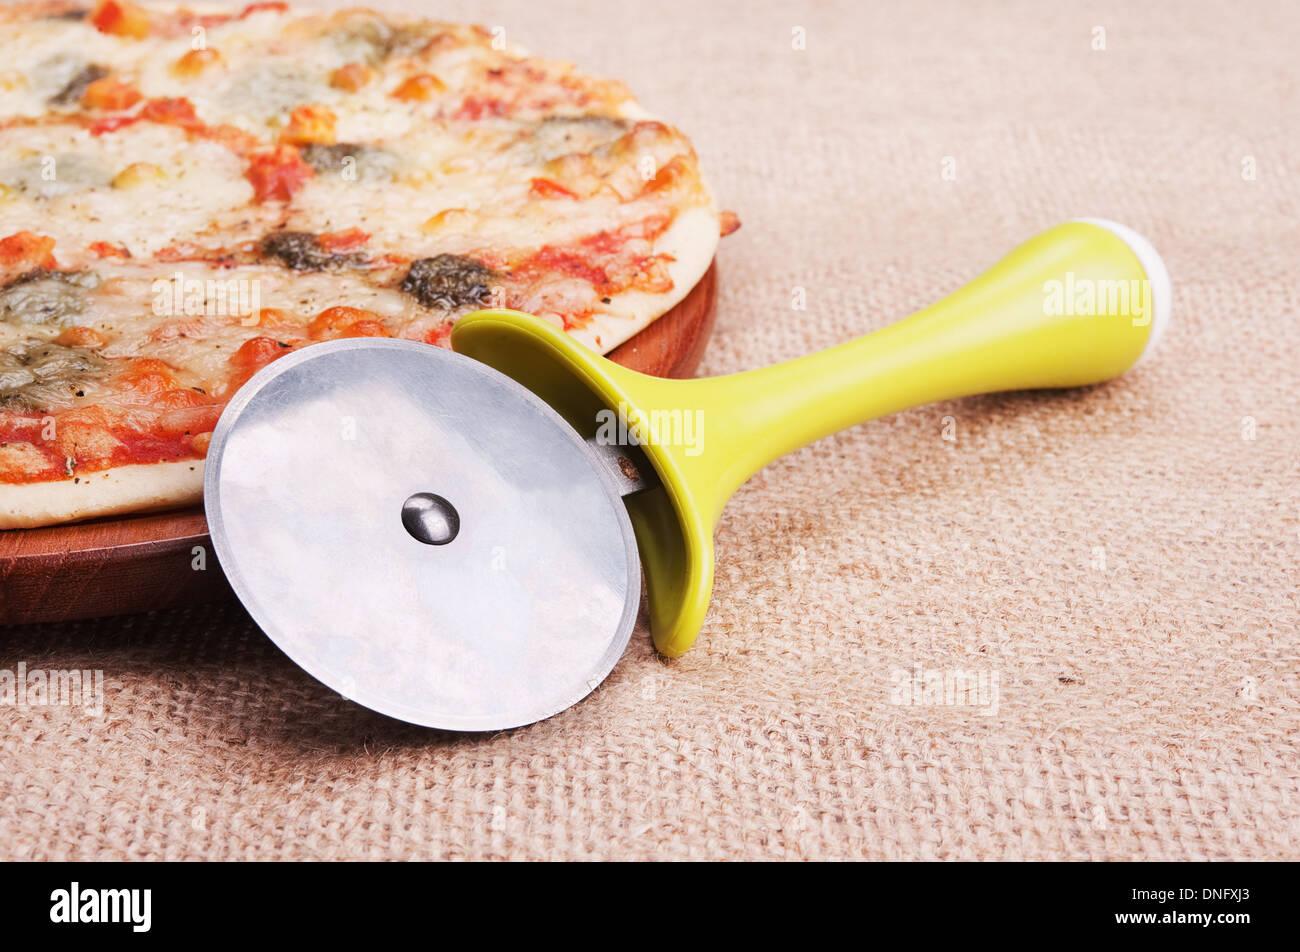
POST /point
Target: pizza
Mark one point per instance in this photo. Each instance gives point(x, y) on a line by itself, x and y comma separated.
point(186, 196)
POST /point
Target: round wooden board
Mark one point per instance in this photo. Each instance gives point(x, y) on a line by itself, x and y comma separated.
point(141, 563)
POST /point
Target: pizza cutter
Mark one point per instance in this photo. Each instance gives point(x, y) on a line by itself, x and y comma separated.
point(456, 539)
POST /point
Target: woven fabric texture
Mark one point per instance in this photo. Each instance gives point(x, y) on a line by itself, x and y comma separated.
point(1115, 567)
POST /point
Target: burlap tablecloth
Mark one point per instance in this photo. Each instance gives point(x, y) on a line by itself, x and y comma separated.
point(1119, 565)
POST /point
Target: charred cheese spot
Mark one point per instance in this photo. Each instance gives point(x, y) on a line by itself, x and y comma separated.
point(448, 281)
point(51, 175)
point(41, 297)
point(76, 87)
point(39, 375)
point(365, 36)
point(303, 251)
point(350, 161)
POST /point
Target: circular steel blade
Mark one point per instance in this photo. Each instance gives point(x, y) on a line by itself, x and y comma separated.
point(309, 490)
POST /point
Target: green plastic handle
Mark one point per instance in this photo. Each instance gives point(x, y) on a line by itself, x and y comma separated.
point(1007, 330)
point(1076, 305)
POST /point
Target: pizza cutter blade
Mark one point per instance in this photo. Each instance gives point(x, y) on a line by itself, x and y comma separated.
point(421, 534)
point(443, 540)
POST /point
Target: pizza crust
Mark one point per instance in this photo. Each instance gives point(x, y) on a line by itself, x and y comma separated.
point(691, 239)
point(144, 487)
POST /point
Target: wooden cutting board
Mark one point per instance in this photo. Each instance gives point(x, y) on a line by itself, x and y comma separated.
point(141, 563)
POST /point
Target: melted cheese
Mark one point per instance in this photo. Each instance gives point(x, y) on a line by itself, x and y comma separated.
point(60, 182)
point(479, 172)
point(507, 157)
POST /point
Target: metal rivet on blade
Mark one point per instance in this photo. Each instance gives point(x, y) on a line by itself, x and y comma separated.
point(430, 519)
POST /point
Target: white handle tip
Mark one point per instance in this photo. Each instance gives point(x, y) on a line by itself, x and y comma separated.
point(1157, 278)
